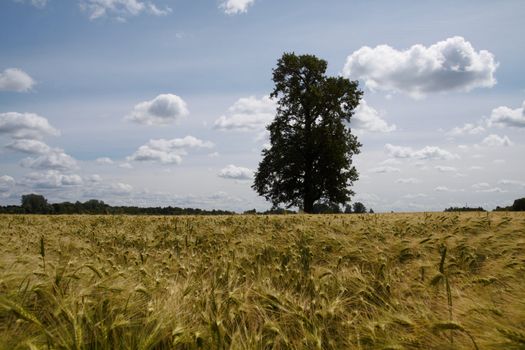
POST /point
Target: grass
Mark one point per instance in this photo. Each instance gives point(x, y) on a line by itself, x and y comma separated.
point(382, 281)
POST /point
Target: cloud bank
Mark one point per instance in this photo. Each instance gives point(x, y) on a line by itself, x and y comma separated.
point(121, 9)
point(248, 114)
point(25, 125)
point(13, 79)
point(233, 7)
point(426, 153)
point(236, 173)
point(367, 118)
point(167, 151)
point(449, 65)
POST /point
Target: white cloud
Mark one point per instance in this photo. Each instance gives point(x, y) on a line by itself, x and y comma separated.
point(248, 114)
point(504, 116)
point(120, 188)
point(506, 182)
point(35, 3)
point(367, 118)
point(410, 180)
point(492, 190)
point(167, 151)
point(426, 153)
point(52, 179)
point(7, 183)
point(121, 9)
point(29, 146)
point(125, 165)
point(25, 126)
point(55, 159)
point(384, 170)
point(480, 185)
point(95, 178)
point(104, 160)
point(445, 169)
point(413, 196)
point(448, 65)
point(236, 173)
point(494, 140)
point(467, 129)
point(232, 7)
point(13, 79)
point(446, 189)
point(163, 109)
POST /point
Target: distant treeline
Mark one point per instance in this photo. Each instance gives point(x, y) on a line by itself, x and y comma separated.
point(464, 209)
point(518, 205)
point(37, 204)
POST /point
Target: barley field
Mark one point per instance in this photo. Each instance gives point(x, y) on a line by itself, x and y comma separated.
point(373, 281)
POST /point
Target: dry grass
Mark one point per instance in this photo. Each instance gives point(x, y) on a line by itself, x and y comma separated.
point(383, 281)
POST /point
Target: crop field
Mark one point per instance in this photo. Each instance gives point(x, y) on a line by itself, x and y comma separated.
point(373, 281)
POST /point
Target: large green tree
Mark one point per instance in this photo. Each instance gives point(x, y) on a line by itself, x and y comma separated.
point(310, 158)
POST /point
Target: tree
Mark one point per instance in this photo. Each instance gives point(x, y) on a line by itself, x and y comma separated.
point(519, 205)
point(359, 208)
point(35, 204)
point(310, 158)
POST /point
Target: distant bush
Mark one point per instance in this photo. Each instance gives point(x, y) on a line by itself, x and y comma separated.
point(451, 209)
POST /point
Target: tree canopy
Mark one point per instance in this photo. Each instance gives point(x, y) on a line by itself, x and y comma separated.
point(310, 158)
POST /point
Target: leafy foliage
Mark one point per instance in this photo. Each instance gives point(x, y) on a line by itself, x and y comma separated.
point(310, 158)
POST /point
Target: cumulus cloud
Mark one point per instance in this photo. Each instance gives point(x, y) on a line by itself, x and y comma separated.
point(426, 153)
point(120, 188)
point(449, 65)
point(163, 109)
point(52, 179)
point(25, 126)
point(29, 146)
point(248, 114)
point(13, 79)
point(55, 159)
point(384, 170)
point(494, 140)
point(104, 160)
point(7, 183)
point(167, 151)
point(235, 172)
point(121, 9)
point(467, 129)
point(233, 7)
point(445, 169)
point(504, 116)
point(95, 178)
point(367, 118)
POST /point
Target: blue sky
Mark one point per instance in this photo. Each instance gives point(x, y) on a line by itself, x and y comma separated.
point(442, 122)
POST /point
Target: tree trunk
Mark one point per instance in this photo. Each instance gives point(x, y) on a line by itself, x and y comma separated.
point(308, 204)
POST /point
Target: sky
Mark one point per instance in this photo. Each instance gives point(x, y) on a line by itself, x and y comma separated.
point(165, 102)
